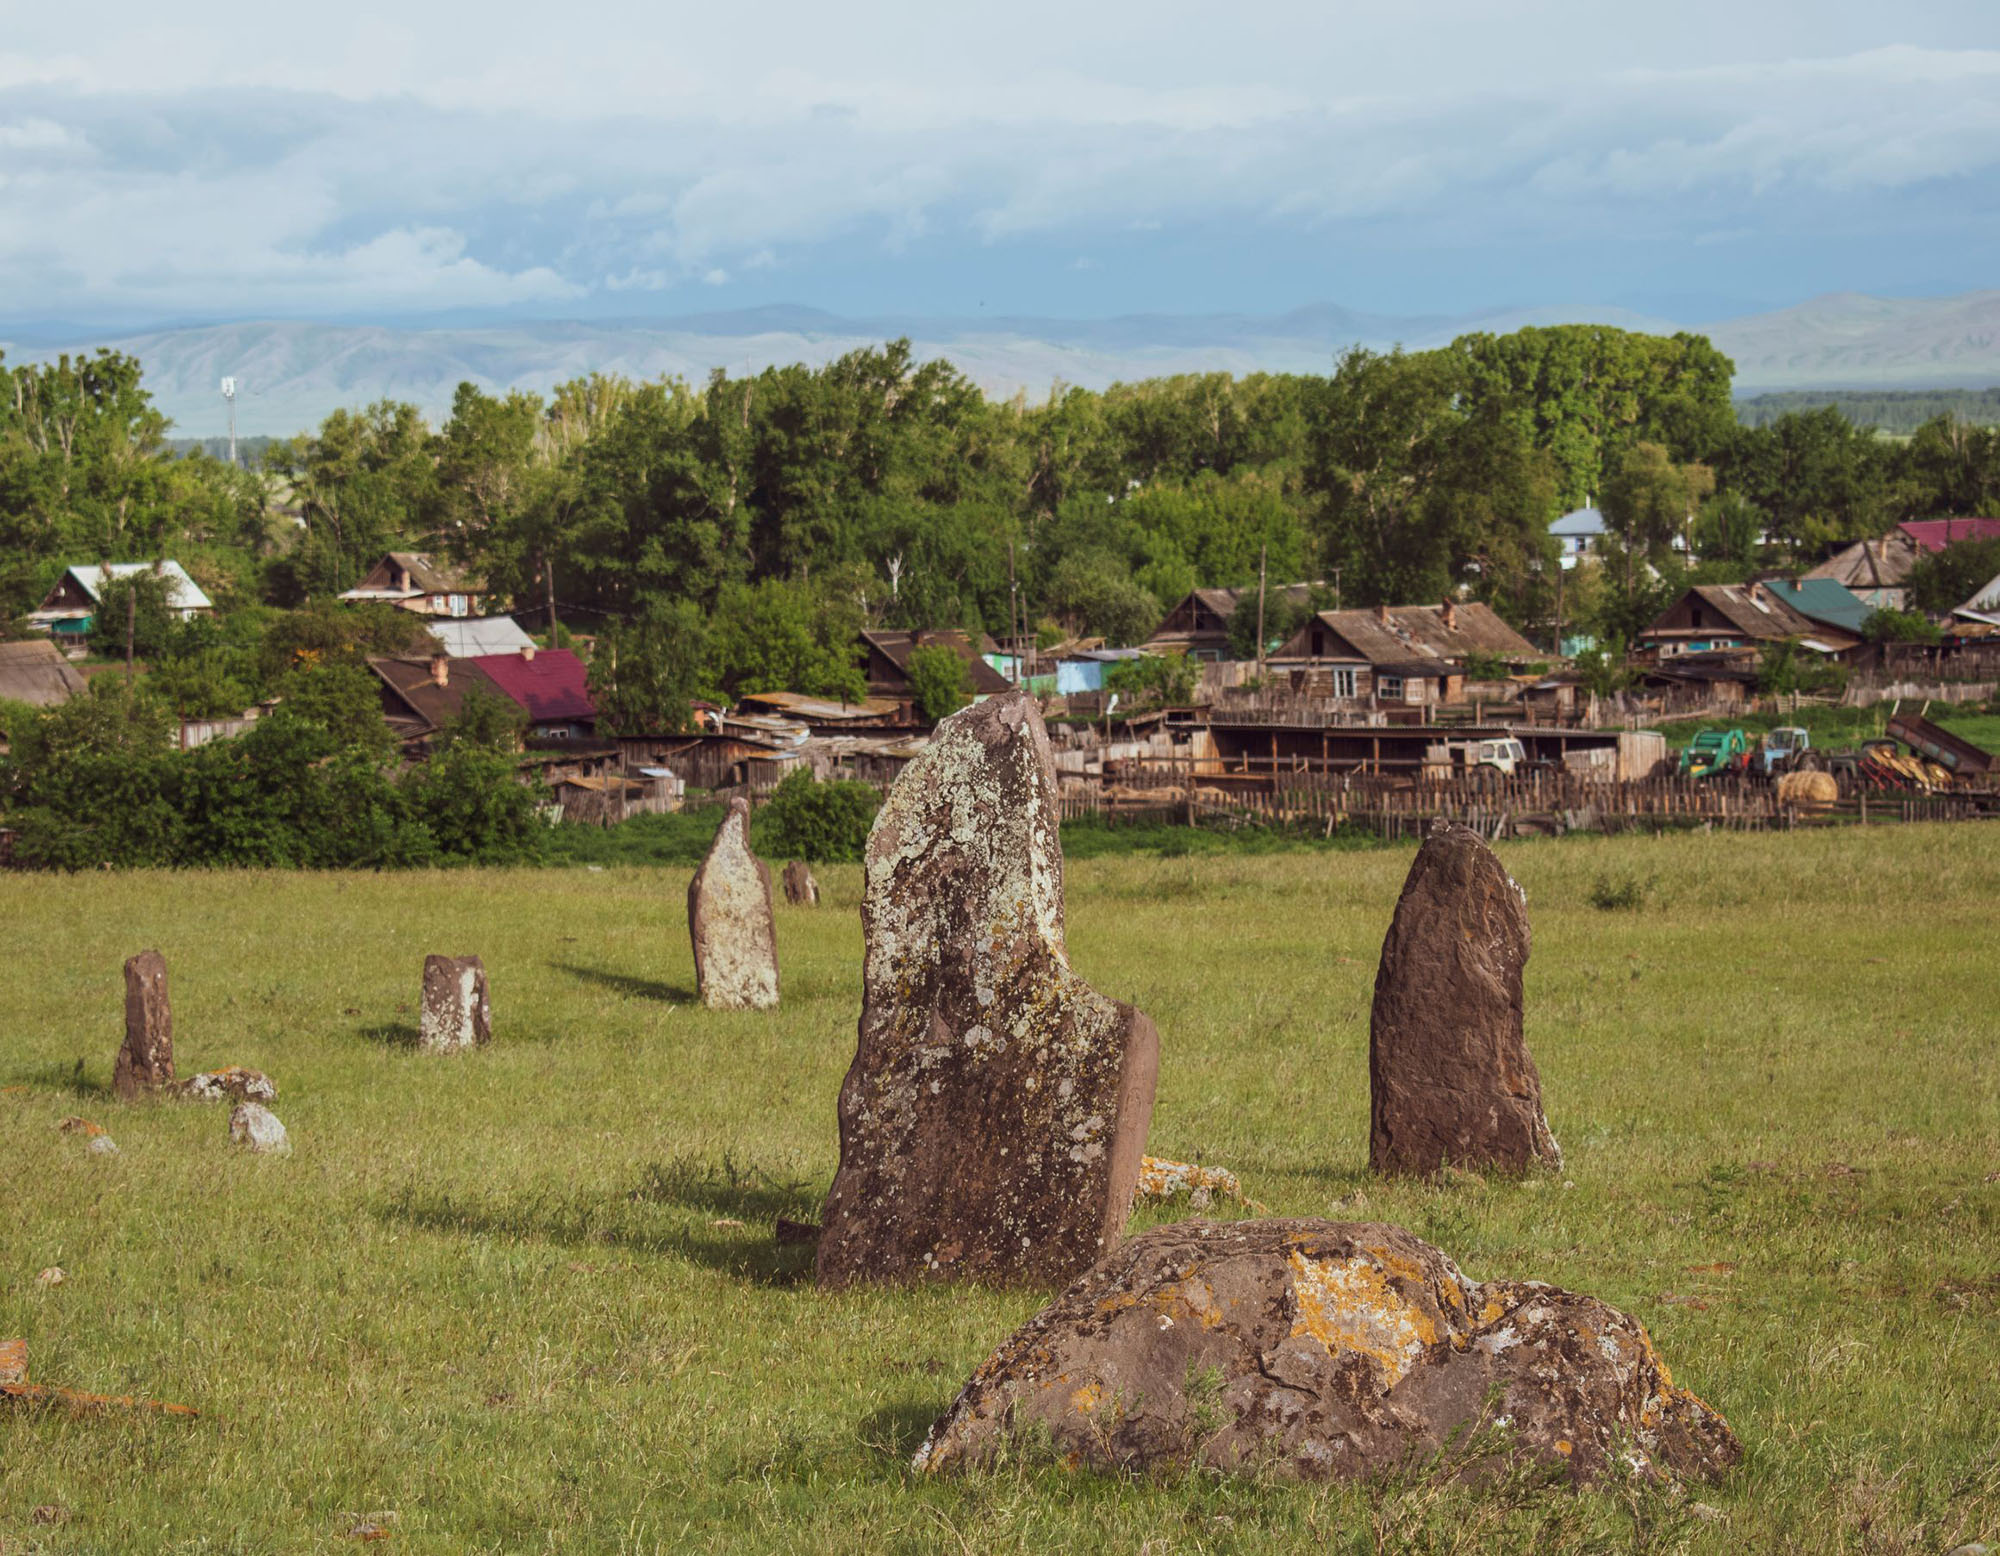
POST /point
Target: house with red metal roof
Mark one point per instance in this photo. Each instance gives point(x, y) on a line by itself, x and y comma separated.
point(1933, 535)
point(549, 685)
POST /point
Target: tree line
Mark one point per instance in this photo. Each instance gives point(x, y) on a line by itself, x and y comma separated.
point(732, 536)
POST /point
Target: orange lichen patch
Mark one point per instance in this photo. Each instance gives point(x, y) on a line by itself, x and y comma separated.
point(1160, 1179)
point(1118, 1303)
point(1349, 1305)
point(71, 1399)
point(13, 1361)
point(1565, 1447)
point(1086, 1399)
point(1491, 1311)
point(80, 1126)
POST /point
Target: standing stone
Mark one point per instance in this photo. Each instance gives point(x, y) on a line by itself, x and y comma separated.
point(146, 1062)
point(729, 918)
point(456, 1014)
point(801, 890)
point(1450, 1076)
point(994, 1118)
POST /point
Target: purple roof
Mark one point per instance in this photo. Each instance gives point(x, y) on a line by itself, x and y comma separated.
point(551, 686)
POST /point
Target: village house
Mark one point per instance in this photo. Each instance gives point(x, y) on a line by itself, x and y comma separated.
point(1873, 571)
point(1198, 625)
point(1408, 654)
point(411, 581)
point(71, 606)
point(1579, 533)
point(550, 686)
point(885, 661)
point(1742, 618)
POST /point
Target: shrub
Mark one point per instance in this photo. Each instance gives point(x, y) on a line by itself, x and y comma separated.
point(938, 681)
point(1893, 626)
point(1157, 680)
point(826, 823)
point(1622, 894)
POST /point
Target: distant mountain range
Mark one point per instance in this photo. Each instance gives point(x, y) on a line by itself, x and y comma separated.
point(290, 375)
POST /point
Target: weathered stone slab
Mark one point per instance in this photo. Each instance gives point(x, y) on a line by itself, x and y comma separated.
point(1328, 1349)
point(730, 920)
point(993, 1120)
point(233, 1080)
point(456, 1014)
point(256, 1127)
point(146, 1062)
point(1450, 1078)
point(801, 890)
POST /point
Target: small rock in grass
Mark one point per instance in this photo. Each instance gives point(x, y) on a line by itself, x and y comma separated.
point(52, 1276)
point(801, 890)
point(49, 1513)
point(13, 1361)
point(103, 1145)
point(255, 1126)
point(80, 1126)
point(235, 1080)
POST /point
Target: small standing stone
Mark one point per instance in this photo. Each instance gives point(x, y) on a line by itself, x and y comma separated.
point(146, 1062)
point(730, 921)
point(256, 1127)
point(234, 1080)
point(993, 1120)
point(456, 1014)
point(1451, 1081)
point(801, 890)
point(102, 1145)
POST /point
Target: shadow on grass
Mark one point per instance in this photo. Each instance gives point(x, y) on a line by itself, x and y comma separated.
point(61, 1077)
point(625, 983)
point(641, 1219)
point(897, 1431)
point(393, 1034)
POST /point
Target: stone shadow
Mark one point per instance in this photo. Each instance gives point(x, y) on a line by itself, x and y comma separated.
point(393, 1034)
point(897, 1431)
point(632, 1219)
point(60, 1077)
point(626, 984)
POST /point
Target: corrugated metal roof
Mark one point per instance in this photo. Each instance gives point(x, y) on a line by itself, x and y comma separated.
point(183, 593)
point(473, 636)
point(1935, 534)
point(36, 673)
point(1822, 600)
point(552, 685)
point(1406, 633)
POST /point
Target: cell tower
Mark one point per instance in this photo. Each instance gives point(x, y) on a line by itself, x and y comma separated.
point(229, 394)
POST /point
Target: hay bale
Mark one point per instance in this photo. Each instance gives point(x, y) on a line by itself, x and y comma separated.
point(1807, 790)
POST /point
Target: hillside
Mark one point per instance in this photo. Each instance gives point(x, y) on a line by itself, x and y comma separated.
point(292, 373)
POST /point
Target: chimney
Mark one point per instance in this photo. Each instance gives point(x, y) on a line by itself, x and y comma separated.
point(1382, 614)
point(1450, 614)
point(440, 669)
point(528, 654)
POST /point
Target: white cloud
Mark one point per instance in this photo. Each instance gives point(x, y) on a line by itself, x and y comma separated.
point(437, 154)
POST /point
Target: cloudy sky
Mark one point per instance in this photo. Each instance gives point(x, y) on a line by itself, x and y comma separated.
point(612, 158)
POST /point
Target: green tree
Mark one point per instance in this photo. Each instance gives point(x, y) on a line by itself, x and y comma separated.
point(646, 673)
point(939, 681)
point(826, 823)
point(1893, 626)
point(1944, 580)
point(141, 600)
point(485, 721)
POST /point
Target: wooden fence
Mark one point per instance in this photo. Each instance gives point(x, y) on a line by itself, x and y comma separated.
point(1540, 804)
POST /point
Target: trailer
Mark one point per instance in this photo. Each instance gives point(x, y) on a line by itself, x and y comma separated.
point(1960, 758)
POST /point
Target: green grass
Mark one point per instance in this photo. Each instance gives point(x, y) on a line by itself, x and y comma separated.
point(502, 1294)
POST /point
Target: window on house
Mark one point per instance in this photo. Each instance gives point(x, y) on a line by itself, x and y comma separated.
point(1389, 687)
point(1343, 683)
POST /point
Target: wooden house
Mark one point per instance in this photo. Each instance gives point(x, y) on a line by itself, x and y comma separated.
point(1198, 625)
point(411, 581)
point(70, 609)
point(1412, 655)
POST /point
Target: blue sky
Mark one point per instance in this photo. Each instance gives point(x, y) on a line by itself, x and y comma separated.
point(616, 158)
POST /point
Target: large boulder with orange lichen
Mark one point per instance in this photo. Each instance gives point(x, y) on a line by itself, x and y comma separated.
point(1323, 1349)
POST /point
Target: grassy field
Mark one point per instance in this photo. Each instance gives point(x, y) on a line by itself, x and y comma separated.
point(527, 1299)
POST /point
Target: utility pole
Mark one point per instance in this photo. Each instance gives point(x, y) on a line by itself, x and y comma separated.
point(1263, 556)
point(1336, 588)
point(229, 395)
point(1013, 616)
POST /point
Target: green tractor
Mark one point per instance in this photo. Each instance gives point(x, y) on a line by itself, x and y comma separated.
point(1715, 751)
